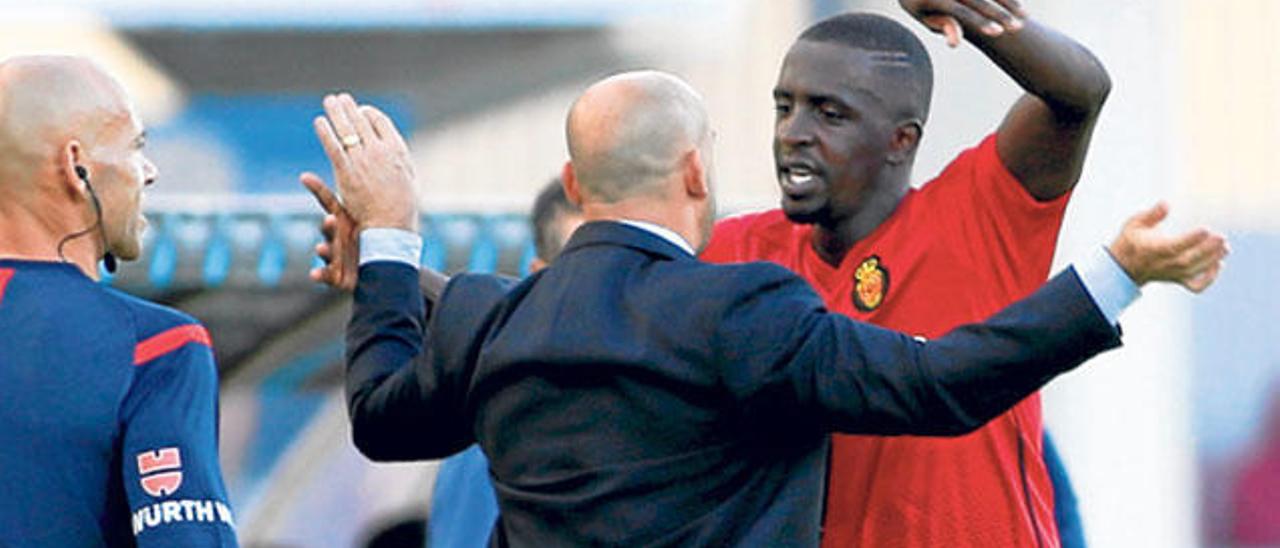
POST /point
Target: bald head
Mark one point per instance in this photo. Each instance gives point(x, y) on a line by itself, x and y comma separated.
point(47, 101)
point(63, 123)
point(629, 132)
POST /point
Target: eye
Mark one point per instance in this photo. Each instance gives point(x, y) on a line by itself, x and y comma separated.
point(832, 114)
point(782, 108)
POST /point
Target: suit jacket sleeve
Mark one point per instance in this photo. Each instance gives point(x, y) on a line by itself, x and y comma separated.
point(796, 364)
point(405, 401)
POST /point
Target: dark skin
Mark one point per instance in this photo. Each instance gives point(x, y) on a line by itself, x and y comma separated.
point(843, 118)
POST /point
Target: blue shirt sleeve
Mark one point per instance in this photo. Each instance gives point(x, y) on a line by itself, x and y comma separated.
point(390, 244)
point(170, 449)
point(1110, 287)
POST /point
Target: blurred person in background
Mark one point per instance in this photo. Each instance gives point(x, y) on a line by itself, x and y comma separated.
point(852, 99)
point(109, 418)
point(626, 449)
point(1255, 491)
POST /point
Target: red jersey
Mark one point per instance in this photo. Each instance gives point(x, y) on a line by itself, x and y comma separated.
point(968, 243)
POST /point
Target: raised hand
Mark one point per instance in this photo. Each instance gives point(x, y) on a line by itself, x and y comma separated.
point(951, 17)
point(371, 164)
point(1192, 260)
point(340, 249)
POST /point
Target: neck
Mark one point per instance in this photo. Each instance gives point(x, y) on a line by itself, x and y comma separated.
point(29, 235)
point(833, 240)
point(682, 221)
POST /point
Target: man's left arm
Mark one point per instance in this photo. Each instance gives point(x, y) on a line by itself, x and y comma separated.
point(1045, 136)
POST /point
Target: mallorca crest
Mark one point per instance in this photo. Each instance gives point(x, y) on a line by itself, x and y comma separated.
point(160, 471)
point(871, 284)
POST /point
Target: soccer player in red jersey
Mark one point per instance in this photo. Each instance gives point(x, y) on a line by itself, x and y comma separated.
point(852, 99)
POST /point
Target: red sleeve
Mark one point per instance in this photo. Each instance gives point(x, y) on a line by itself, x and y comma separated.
point(1001, 226)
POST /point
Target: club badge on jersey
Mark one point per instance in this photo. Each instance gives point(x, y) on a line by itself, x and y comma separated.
point(160, 471)
point(871, 284)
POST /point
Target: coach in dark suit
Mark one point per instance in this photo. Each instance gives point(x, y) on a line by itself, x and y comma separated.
point(632, 395)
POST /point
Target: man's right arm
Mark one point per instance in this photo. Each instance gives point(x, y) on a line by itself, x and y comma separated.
point(797, 362)
point(393, 386)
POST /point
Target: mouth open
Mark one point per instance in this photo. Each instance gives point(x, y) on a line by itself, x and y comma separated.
point(797, 179)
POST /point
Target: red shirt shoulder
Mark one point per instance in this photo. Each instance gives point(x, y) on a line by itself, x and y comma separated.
point(756, 236)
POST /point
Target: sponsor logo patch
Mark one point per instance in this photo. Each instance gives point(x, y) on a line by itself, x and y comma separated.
point(871, 284)
point(181, 511)
point(160, 471)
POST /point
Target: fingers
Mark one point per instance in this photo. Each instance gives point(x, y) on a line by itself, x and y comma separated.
point(366, 113)
point(1202, 281)
point(1014, 7)
point(325, 252)
point(329, 227)
point(348, 107)
point(335, 109)
point(326, 198)
point(974, 20)
point(947, 26)
point(383, 126)
point(1181, 244)
point(328, 137)
point(1150, 217)
point(1212, 247)
point(996, 14)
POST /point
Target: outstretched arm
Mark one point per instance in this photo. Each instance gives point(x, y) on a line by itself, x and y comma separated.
point(858, 378)
point(1045, 136)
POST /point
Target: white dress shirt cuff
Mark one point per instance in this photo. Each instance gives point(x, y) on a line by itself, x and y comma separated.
point(1107, 283)
point(390, 244)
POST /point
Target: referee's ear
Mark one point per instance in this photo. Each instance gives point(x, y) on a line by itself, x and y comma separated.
point(72, 160)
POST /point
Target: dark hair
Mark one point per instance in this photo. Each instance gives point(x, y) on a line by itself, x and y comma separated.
point(877, 33)
point(548, 208)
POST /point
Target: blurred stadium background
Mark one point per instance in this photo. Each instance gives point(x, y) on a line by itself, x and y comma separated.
point(1156, 436)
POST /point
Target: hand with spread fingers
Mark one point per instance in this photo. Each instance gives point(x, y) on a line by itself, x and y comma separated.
point(954, 18)
point(371, 164)
point(1192, 260)
point(340, 249)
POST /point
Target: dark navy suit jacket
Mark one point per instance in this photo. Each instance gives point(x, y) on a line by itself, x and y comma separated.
point(633, 395)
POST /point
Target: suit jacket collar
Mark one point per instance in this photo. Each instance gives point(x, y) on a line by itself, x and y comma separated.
point(615, 233)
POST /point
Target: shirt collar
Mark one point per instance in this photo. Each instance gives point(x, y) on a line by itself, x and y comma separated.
point(661, 232)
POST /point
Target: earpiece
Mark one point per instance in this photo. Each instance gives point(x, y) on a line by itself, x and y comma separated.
point(108, 259)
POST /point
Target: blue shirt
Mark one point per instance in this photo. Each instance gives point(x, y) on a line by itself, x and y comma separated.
point(108, 420)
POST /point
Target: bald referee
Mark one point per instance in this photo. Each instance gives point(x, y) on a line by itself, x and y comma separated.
point(108, 422)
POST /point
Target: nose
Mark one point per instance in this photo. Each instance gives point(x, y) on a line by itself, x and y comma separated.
point(150, 173)
point(794, 130)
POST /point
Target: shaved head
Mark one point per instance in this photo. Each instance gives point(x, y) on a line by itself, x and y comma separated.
point(63, 123)
point(628, 132)
point(46, 101)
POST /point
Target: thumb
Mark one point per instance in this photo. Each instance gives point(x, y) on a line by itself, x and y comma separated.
point(1151, 217)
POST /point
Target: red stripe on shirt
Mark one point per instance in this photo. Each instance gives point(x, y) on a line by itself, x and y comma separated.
point(168, 341)
point(5, 275)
